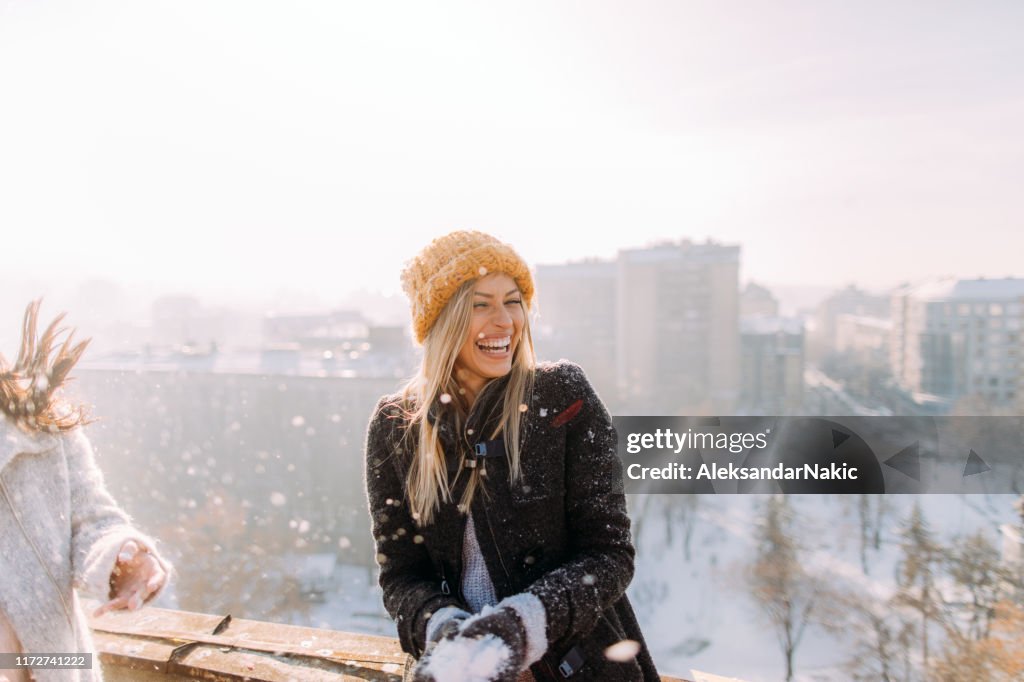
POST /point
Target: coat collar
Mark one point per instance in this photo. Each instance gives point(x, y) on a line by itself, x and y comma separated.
point(483, 418)
point(14, 441)
point(488, 401)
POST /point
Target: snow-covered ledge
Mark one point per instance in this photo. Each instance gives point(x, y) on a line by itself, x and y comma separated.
point(157, 645)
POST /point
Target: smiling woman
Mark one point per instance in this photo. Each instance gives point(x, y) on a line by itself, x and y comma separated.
point(495, 490)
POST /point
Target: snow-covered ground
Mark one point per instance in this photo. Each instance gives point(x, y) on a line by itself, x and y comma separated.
point(697, 613)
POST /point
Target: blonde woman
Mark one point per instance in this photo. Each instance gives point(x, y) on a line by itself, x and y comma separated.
point(495, 491)
point(60, 530)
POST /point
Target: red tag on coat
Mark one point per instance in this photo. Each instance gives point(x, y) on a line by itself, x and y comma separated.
point(567, 414)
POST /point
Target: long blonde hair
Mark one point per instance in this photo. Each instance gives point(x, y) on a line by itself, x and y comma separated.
point(427, 483)
point(28, 389)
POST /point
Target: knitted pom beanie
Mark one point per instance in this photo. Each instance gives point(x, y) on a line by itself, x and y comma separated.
point(433, 276)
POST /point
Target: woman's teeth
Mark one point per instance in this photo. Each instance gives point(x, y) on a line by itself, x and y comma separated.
point(495, 346)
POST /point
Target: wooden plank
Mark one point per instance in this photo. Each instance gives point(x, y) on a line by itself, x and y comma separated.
point(181, 643)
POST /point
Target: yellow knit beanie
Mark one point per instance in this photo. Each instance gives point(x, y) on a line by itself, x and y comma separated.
point(433, 276)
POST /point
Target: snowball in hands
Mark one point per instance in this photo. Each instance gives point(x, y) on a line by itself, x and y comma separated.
point(485, 659)
point(489, 647)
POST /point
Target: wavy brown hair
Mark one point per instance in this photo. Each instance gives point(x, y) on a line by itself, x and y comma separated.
point(29, 389)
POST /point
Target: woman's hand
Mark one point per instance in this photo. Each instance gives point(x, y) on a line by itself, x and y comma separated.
point(444, 624)
point(489, 647)
point(135, 578)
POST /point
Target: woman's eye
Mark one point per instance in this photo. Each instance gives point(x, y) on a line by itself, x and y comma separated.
point(480, 305)
point(516, 302)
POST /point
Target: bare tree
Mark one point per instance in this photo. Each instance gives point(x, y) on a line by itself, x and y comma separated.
point(973, 564)
point(681, 513)
point(784, 590)
point(877, 635)
point(872, 512)
point(678, 512)
point(916, 573)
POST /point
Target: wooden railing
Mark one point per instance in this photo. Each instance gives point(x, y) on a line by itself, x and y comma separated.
point(158, 645)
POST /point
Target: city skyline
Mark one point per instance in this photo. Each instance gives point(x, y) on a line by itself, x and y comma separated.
point(107, 300)
point(104, 300)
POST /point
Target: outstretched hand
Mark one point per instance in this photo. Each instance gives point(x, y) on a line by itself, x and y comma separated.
point(136, 577)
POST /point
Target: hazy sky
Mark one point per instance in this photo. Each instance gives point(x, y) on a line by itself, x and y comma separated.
point(240, 147)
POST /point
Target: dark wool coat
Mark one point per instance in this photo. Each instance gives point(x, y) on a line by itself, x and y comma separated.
point(561, 533)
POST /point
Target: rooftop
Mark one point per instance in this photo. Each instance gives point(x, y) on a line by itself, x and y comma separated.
point(952, 289)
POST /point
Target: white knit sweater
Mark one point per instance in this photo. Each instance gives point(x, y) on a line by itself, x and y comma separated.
point(477, 587)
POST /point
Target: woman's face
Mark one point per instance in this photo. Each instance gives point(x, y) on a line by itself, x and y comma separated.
point(494, 331)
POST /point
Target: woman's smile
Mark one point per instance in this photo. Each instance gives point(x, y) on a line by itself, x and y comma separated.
point(496, 347)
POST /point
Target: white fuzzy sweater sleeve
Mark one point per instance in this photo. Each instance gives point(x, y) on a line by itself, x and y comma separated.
point(99, 527)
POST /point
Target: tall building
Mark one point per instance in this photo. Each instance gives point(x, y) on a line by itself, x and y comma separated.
point(864, 338)
point(757, 300)
point(772, 365)
point(849, 301)
point(677, 337)
point(577, 304)
point(954, 339)
point(656, 328)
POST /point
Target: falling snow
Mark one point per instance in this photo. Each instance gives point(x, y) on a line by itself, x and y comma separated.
point(622, 651)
